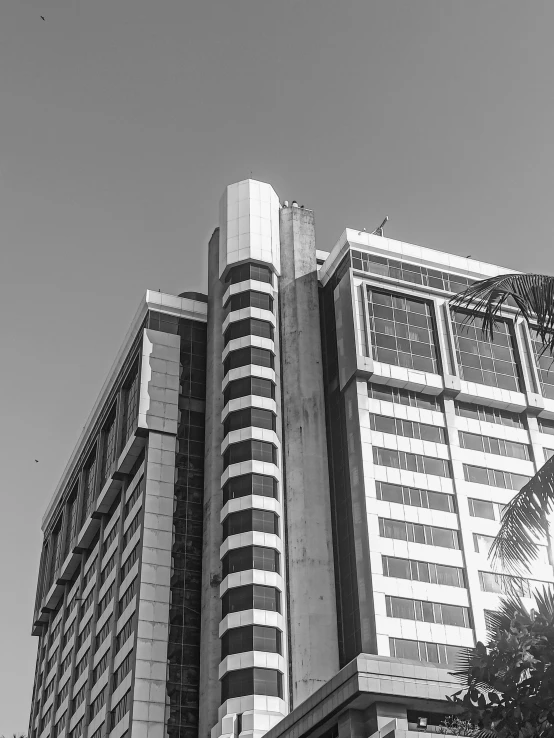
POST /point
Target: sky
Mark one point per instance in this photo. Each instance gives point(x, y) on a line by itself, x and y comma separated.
point(121, 123)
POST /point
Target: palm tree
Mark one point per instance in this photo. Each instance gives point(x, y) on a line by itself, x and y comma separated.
point(525, 518)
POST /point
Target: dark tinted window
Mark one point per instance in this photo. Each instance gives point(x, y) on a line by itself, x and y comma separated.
point(243, 521)
point(249, 386)
point(251, 638)
point(250, 451)
point(247, 356)
point(251, 298)
point(251, 597)
point(251, 557)
point(243, 272)
point(249, 484)
point(242, 682)
point(249, 417)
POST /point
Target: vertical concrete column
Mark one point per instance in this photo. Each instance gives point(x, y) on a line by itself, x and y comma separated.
point(311, 584)
point(210, 646)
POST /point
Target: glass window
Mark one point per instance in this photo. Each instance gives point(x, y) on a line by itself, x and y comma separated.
point(418, 533)
point(416, 497)
point(249, 355)
point(249, 386)
point(484, 361)
point(400, 396)
point(402, 331)
point(251, 596)
point(481, 508)
point(250, 557)
point(249, 417)
point(494, 477)
point(408, 428)
point(498, 446)
point(249, 484)
point(252, 450)
point(544, 363)
point(248, 327)
point(411, 462)
point(251, 638)
point(247, 520)
point(428, 612)
point(243, 682)
point(546, 426)
point(482, 543)
point(423, 571)
point(250, 298)
point(489, 414)
point(244, 272)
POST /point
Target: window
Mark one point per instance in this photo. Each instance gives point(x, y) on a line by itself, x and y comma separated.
point(484, 361)
point(434, 653)
point(100, 667)
point(77, 731)
point(548, 453)
point(502, 584)
point(84, 634)
point(78, 699)
point(110, 538)
point(130, 403)
point(250, 451)
point(243, 521)
point(498, 446)
point(103, 633)
point(485, 509)
point(248, 327)
point(82, 665)
point(137, 492)
point(105, 600)
point(409, 272)
point(250, 557)
point(249, 417)
point(134, 525)
point(385, 393)
point(126, 599)
point(430, 535)
point(489, 414)
point(63, 693)
point(163, 322)
point(109, 451)
point(251, 597)
point(72, 507)
point(249, 386)
point(249, 484)
point(423, 571)
point(124, 634)
point(120, 710)
point(244, 272)
point(251, 638)
point(251, 298)
point(243, 682)
point(546, 426)
point(482, 543)
point(428, 612)
point(249, 355)
point(122, 670)
point(411, 462)
point(494, 477)
point(130, 561)
point(415, 497)
point(107, 570)
point(88, 487)
point(409, 428)
point(544, 365)
point(402, 331)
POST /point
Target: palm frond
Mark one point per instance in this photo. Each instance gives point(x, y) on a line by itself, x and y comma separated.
point(545, 602)
point(525, 518)
point(532, 295)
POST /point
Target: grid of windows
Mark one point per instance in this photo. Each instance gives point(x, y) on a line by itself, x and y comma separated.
point(110, 449)
point(251, 638)
point(88, 491)
point(423, 571)
point(122, 670)
point(103, 633)
point(137, 492)
point(428, 612)
point(249, 484)
point(485, 509)
point(489, 414)
point(498, 446)
point(407, 272)
point(243, 682)
point(494, 477)
point(415, 497)
point(248, 327)
point(430, 535)
point(400, 396)
point(251, 597)
point(250, 557)
point(251, 450)
point(544, 364)
point(248, 417)
point(434, 653)
point(249, 386)
point(243, 521)
point(249, 355)
point(244, 272)
point(98, 703)
point(482, 360)
point(249, 298)
point(411, 462)
point(127, 597)
point(120, 710)
point(402, 331)
point(408, 428)
point(130, 403)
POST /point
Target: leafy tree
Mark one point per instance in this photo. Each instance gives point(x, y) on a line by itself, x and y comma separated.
point(509, 685)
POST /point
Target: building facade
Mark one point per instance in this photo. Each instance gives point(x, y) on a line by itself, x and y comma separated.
point(277, 518)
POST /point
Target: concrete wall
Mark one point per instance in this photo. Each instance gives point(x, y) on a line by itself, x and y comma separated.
point(312, 606)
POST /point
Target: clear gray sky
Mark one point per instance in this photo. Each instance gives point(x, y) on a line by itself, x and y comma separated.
point(121, 122)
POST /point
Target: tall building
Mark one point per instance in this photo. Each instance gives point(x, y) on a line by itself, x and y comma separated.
point(277, 518)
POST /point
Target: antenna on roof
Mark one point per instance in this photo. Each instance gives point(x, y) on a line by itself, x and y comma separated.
point(379, 231)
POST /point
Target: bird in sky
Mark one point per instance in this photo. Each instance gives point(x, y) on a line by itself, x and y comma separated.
point(43, 18)
point(36, 461)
